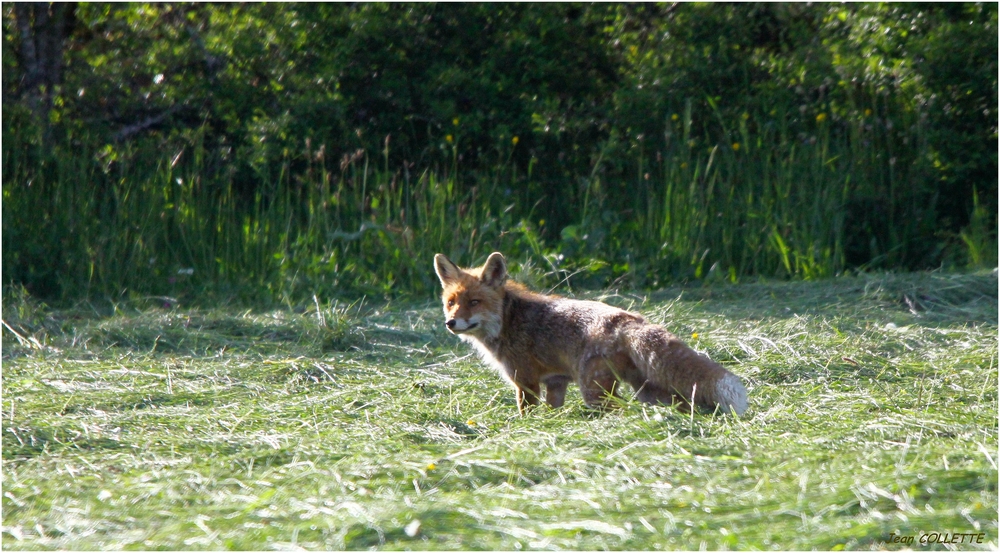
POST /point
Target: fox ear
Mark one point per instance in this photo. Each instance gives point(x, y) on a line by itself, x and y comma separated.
point(445, 269)
point(495, 270)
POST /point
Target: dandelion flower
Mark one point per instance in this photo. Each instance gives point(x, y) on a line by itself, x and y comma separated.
point(820, 118)
point(514, 140)
point(431, 466)
point(736, 146)
point(455, 121)
point(694, 335)
point(449, 138)
point(470, 422)
point(868, 112)
point(684, 165)
point(674, 117)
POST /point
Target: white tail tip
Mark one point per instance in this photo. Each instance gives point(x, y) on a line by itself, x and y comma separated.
point(731, 395)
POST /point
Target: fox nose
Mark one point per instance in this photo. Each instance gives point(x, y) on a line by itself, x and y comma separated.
point(450, 323)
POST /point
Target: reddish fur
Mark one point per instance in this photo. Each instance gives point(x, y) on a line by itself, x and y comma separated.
point(537, 340)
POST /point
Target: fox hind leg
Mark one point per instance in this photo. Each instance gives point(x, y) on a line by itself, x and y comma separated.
point(598, 382)
point(650, 393)
point(555, 390)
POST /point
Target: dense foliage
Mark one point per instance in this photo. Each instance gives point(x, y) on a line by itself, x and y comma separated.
point(284, 148)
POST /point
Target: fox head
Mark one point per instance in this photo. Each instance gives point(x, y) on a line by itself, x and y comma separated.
point(473, 298)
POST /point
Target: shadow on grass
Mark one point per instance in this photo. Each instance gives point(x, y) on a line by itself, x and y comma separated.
point(422, 534)
point(192, 332)
point(927, 299)
point(26, 442)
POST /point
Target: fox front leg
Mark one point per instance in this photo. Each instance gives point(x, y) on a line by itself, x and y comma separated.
point(527, 394)
point(555, 390)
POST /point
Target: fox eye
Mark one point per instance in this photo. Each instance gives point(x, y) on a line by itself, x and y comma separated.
point(473, 303)
point(451, 303)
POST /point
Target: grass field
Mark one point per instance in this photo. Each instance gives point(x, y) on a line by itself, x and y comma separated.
point(154, 426)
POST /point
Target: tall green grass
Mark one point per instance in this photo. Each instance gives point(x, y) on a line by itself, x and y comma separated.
point(177, 218)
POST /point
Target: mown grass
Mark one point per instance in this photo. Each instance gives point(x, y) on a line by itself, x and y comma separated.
point(145, 426)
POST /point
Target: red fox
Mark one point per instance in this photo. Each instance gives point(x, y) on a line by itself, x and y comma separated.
point(534, 339)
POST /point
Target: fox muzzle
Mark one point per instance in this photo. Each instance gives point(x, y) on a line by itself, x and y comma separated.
point(458, 326)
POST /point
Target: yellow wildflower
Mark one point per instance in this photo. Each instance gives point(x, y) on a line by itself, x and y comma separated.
point(431, 466)
point(820, 118)
point(514, 140)
point(736, 146)
point(449, 138)
point(674, 117)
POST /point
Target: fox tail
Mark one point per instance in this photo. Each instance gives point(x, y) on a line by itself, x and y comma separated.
point(672, 370)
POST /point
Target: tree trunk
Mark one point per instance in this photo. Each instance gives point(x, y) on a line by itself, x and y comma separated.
point(43, 29)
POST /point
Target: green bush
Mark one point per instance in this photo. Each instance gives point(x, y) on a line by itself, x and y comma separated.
point(276, 149)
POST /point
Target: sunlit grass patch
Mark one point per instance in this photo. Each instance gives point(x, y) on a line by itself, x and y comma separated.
point(335, 427)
